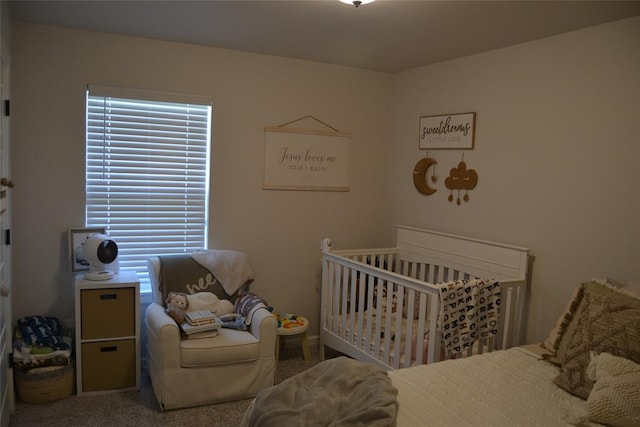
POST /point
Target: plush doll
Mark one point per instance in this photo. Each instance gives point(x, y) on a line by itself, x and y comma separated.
point(177, 303)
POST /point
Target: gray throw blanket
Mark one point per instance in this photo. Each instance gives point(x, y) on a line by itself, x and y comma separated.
point(231, 268)
point(181, 273)
point(337, 392)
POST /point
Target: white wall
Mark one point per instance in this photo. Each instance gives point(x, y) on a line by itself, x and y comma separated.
point(557, 153)
point(279, 230)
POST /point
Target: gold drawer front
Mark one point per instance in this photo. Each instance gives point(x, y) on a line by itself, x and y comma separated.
point(108, 365)
point(107, 313)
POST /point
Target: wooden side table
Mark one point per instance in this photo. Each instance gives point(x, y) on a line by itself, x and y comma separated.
point(292, 324)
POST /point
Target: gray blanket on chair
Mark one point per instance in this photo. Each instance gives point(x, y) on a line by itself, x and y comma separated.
point(337, 392)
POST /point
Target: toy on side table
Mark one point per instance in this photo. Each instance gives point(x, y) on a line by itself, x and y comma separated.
point(288, 321)
point(293, 324)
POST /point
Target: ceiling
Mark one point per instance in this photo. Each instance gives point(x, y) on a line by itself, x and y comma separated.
point(387, 35)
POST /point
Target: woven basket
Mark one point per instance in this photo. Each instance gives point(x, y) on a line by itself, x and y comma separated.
point(45, 387)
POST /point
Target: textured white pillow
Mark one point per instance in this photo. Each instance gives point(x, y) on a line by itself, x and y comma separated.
point(615, 397)
point(550, 344)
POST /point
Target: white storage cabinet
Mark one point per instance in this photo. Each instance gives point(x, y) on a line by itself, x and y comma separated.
point(107, 322)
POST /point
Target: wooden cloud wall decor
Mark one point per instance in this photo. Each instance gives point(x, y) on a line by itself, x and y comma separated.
point(461, 179)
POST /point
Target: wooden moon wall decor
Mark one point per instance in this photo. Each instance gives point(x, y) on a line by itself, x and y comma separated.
point(420, 175)
point(461, 178)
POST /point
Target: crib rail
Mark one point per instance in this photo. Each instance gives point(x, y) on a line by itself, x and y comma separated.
point(375, 305)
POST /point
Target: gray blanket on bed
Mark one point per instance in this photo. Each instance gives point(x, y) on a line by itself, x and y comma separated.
point(336, 392)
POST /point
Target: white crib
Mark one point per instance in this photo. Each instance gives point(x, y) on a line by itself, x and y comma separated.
point(373, 300)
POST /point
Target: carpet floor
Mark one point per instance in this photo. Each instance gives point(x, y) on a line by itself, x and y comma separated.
point(139, 408)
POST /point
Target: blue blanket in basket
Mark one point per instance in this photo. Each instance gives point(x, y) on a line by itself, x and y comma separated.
point(41, 331)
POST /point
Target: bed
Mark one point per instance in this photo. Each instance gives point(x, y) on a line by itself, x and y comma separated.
point(586, 373)
point(384, 305)
point(516, 387)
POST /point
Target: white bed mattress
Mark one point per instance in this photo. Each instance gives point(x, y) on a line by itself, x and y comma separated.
point(504, 388)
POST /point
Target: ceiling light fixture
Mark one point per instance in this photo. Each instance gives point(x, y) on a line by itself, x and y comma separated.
point(356, 3)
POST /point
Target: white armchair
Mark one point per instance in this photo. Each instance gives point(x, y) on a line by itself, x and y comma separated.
point(190, 372)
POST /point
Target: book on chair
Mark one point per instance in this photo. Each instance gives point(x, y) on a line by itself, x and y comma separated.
point(202, 317)
point(197, 322)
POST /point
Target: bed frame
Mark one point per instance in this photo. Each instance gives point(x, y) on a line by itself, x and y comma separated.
point(358, 323)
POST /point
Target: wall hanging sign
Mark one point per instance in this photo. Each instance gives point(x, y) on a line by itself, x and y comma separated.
point(449, 131)
point(306, 159)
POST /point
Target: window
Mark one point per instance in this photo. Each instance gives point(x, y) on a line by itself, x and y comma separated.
point(147, 172)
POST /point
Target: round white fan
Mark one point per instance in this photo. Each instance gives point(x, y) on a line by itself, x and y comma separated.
point(102, 254)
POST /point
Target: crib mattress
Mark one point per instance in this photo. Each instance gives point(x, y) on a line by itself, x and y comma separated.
point(510, 387)
point(361, 342)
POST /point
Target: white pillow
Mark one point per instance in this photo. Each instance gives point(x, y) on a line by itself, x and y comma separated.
point(550, 344)
point(615, 397)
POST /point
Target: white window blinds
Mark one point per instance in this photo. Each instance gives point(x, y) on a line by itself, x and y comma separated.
point(147, 172)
